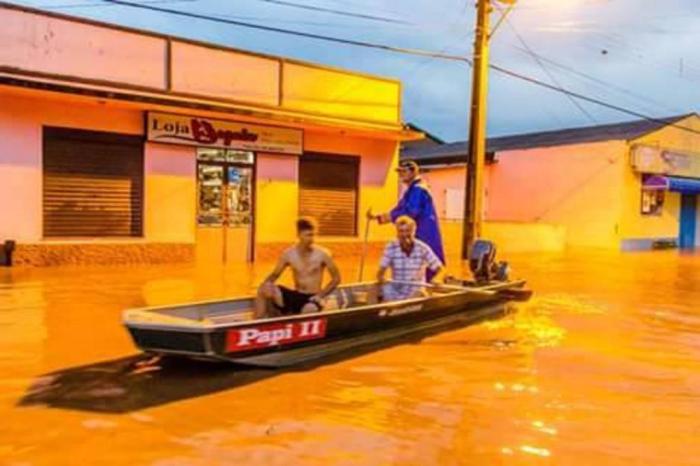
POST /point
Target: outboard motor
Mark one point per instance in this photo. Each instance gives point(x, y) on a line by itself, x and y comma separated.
point(483, 265)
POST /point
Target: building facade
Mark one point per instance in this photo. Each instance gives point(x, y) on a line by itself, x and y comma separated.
point(626, 186)
point(120, 145)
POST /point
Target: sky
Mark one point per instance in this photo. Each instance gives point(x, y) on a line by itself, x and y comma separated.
point(638, 54)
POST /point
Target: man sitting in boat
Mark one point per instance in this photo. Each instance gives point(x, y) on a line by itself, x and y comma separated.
point(308, 263)
point(408, 258)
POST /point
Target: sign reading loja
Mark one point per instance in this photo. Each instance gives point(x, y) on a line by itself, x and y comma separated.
point(204, 132)
point(274, 334)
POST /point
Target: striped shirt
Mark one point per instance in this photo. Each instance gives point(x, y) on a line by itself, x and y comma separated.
point(407, 268)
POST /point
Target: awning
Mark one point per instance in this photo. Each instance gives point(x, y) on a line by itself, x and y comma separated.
point(673, 183)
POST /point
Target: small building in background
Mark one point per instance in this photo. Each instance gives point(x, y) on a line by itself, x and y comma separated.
point(119, 145)
point(625, 186)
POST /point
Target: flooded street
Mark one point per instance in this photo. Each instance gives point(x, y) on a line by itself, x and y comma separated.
point(601, 367)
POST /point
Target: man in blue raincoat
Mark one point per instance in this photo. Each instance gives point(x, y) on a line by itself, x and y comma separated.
point(417, 203)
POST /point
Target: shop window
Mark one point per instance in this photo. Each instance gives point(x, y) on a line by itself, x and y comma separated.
point(652, 201)
point(225, 187)
point(92, 184)
point(328, 192)
point(224, 155)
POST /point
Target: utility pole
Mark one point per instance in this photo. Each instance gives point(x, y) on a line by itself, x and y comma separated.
point(474, 188)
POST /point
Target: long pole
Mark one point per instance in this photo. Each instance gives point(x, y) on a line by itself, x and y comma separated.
point(474, 189)
point(364, 245)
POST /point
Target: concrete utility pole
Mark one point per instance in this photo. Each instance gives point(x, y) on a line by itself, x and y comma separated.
point(474, 187)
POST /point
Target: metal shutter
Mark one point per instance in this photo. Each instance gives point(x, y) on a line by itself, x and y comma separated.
point(328, 192)
point(93, 184)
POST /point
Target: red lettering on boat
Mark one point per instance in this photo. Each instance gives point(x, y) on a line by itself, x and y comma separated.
point(262, 336)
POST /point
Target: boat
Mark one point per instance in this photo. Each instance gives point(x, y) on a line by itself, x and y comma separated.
point(225, 330)
point(354, 316)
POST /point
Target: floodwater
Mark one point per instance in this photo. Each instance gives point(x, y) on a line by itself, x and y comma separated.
point(601, 367)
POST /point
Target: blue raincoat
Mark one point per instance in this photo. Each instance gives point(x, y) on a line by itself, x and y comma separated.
point(417, 203)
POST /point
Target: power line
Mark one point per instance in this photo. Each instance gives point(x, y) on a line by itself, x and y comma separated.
point(308, 35)
point(636, 55)
point(101, 4)
point(335, 11)
point(603, 84)
point(238, 17)
point(552, 78)
point(296, 22)
point(593, 100)
point(417, 52)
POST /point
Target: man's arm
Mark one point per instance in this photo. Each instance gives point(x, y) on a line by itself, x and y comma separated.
point(380, 274)
point(384, 265)
point(282, 264)
point(434, 263)
point(335, 276)
point(412, 204)
point(268, 291)
point(439, 274)
point(379, 286)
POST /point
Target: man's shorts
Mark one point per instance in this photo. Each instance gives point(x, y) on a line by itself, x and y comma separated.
point(293, 301)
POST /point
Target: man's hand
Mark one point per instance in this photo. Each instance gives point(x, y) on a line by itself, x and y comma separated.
point(381, 218)
point(315, 304)
point(317, 298)
point(439, 276)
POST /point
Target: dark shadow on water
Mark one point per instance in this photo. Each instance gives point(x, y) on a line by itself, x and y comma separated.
point(138, 382)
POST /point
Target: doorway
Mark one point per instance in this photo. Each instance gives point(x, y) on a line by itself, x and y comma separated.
point(688, 225)
point(225, 205)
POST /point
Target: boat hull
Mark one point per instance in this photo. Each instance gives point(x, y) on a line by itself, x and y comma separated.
point(297, 339)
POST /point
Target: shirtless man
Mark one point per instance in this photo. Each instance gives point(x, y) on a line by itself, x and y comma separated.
point(307, 262)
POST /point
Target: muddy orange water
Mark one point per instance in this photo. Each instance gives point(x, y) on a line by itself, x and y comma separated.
point(602, 367)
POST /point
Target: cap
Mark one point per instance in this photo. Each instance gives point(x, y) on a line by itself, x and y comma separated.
point(408, 165)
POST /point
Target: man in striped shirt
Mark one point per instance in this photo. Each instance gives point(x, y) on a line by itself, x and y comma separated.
point(408, 258)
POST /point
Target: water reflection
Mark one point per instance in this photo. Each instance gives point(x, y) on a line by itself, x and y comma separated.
point(601, 367)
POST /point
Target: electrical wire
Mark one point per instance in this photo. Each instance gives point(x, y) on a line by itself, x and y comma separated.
point(101, 4)
point(417, 52)
point(592, 100)
point(606, 85)
point(335, 11)
point(307, 35)
point(551, 76)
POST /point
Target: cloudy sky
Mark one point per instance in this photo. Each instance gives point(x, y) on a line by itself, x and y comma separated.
point(638, 54)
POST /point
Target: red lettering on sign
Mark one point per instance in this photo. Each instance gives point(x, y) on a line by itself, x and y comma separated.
point(205, 133)
point(263, 336)
point(229, 136)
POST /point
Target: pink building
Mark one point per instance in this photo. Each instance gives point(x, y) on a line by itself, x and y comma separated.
point(622, 186)
point(121, 145)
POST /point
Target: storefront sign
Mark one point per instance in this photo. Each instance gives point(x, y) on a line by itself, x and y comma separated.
point(648, 159)
point(205, 132)
point(274, 334)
